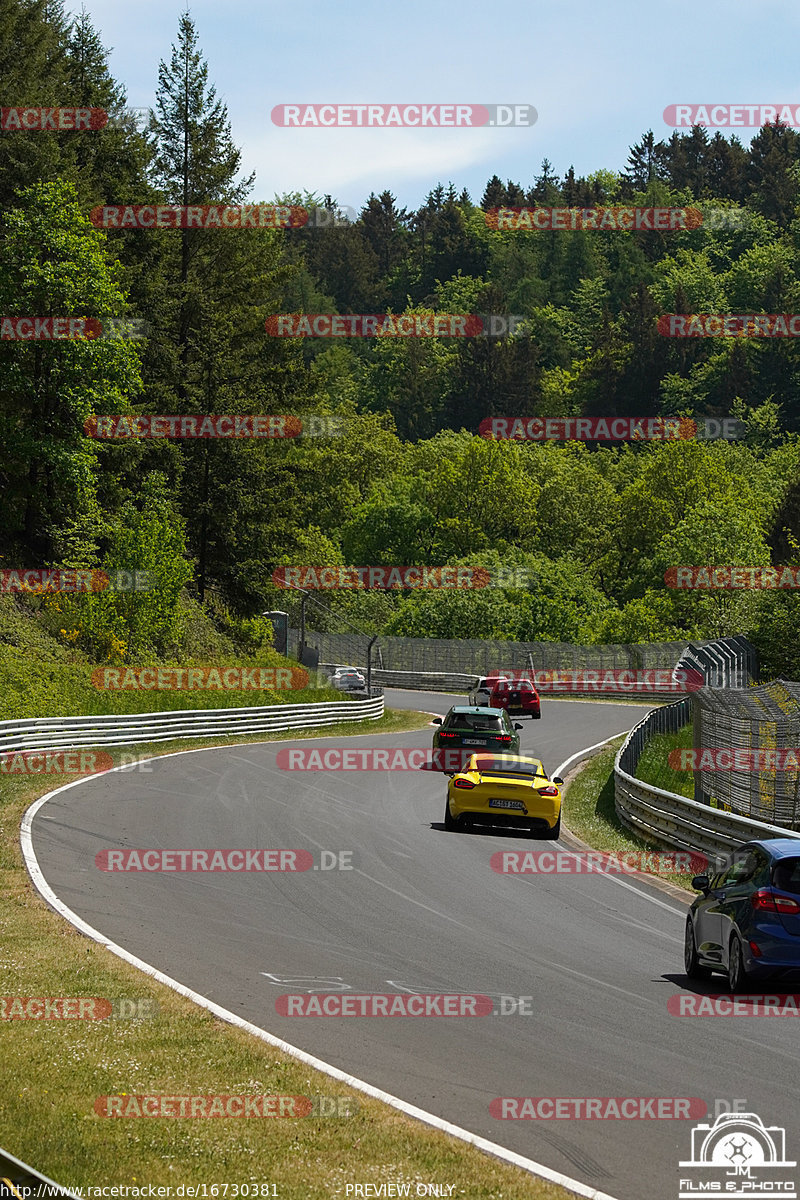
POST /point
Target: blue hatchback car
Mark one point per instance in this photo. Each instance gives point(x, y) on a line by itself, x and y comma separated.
point(746, 923)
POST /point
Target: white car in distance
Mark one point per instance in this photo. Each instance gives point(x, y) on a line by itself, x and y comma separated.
point(347, 679)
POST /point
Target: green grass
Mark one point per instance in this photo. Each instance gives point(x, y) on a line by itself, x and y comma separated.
point(590, 814)
point(654, 768)
point(52, 1071)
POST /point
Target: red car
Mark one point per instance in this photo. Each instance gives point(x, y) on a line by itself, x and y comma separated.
point(515, 694)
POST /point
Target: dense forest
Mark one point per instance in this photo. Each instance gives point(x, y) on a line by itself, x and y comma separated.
point(407, 478)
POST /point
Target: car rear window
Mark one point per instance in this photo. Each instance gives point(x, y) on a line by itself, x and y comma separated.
point(501, 766)
point(474, 721)
point(786, 875)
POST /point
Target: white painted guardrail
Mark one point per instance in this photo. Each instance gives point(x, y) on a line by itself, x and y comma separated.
point(430, 681)
point(61, 733)
point(671, 820)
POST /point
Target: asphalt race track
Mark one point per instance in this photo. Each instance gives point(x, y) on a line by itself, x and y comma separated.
point(423, 911)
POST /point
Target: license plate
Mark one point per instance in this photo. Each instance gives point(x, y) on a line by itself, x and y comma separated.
point(517, 805)
point(474, 741)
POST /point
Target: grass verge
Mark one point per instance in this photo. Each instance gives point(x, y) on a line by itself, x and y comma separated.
point(654, 765)
point(53, 1070)
point(590, 814)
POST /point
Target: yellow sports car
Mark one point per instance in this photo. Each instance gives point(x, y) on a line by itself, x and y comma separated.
point(504, 789)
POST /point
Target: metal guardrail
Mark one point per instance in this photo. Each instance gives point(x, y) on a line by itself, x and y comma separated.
point(429, 681)
point(670, 820)
point(60, 733)
point(441, 681)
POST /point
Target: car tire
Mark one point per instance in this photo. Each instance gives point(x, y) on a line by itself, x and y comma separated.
point(536, 716)
point(555, 832)
point(692, 967)
point(738, 979)
point(450, 821)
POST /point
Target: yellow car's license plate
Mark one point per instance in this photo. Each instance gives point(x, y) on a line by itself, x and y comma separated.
point(515, 804)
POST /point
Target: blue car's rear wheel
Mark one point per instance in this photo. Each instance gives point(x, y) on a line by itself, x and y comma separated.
point(691, 962)
point(738, 980)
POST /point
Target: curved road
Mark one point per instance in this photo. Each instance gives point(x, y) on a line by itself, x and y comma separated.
point(423, 911)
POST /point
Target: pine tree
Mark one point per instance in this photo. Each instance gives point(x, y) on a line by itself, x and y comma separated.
point(385, 228)
point(772, 172)
point(646, 163)
point(727, 166)
point(196, 162)
point(33, 35)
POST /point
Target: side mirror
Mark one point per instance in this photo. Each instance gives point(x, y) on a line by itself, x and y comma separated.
point(518, 726)
point(557, 779)
point(436, 721)
point(700, 883)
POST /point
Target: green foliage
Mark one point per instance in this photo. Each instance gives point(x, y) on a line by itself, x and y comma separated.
point(407, 481)
point(54, 264)
point(121, 623)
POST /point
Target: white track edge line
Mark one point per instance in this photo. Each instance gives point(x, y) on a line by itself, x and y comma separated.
point(410, 1110)
point(644, 895)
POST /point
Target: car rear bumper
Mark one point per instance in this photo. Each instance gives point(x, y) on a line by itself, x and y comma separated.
point(545, 812)
point(507, 820)
point(780, 952)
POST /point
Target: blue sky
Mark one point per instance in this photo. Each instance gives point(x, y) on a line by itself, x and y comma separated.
point(599, 74)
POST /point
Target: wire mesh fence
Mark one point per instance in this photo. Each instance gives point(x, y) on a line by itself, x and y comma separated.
point(762, 724)
point(484, 657)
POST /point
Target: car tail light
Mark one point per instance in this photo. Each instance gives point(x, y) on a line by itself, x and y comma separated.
point(769, 901)
point(756, 949)
point(447, 735)
point(550, 790)
point(463, 783)
point(505, 738)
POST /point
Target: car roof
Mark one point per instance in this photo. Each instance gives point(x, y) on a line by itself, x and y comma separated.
point(475, 708)
point(779, 847)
